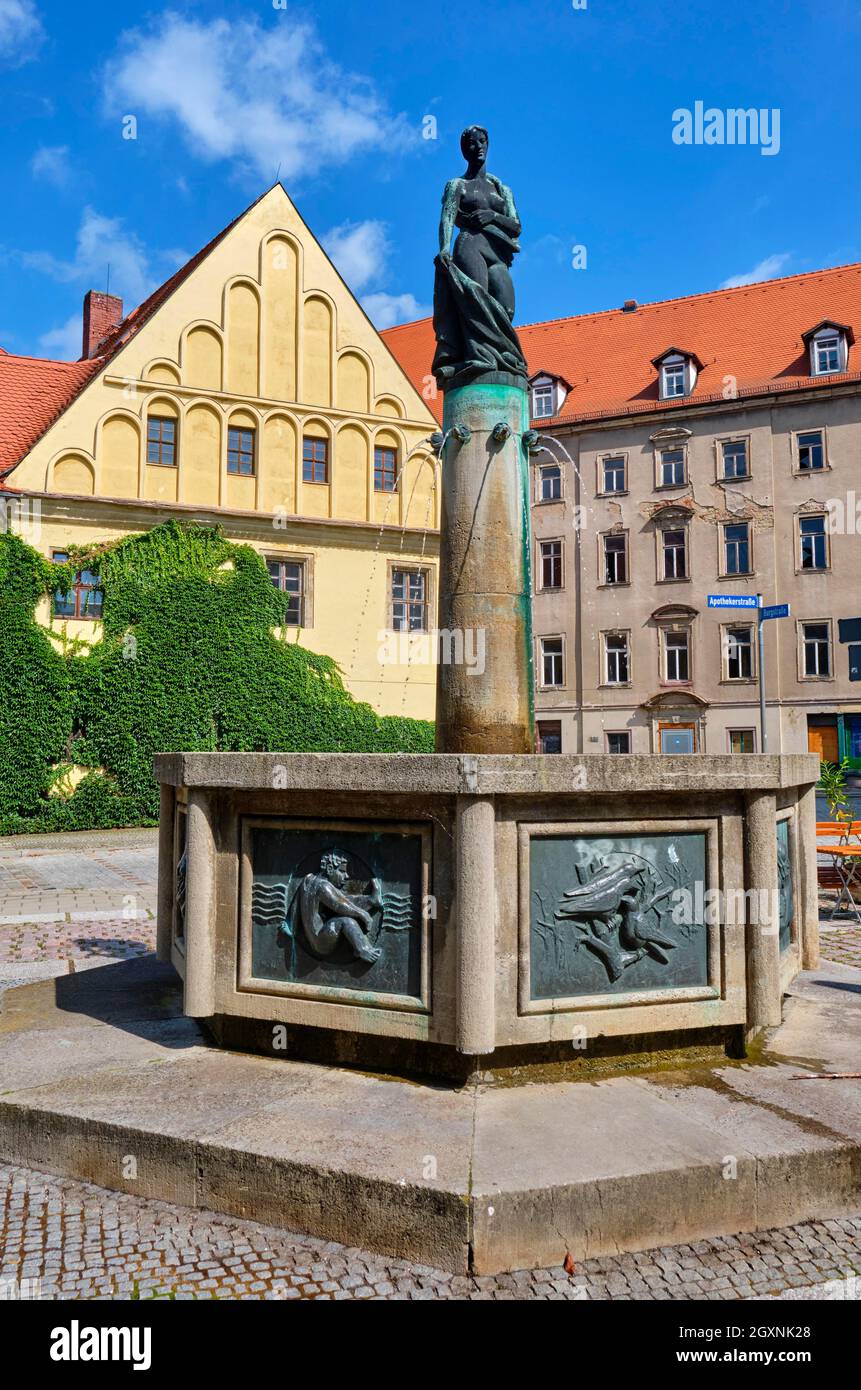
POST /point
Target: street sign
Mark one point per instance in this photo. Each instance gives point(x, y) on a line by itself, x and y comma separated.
point(777, 610)
point(733, 601)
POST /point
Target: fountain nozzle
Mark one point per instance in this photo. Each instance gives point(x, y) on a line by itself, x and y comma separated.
point(500, 432)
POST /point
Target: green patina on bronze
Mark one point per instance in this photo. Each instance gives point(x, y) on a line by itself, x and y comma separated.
point(616, 915)
point(485, 571)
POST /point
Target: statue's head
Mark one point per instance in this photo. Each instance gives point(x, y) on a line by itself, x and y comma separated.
point(334, 866)
point(474, 143)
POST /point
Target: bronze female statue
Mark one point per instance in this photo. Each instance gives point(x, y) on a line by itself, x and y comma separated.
point(473, 291)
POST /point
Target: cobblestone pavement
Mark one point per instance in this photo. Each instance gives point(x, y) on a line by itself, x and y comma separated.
point(67, 900)
point(77, 1241)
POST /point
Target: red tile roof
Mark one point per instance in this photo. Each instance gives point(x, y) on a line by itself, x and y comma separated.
point(33, 392)
point(752, 333)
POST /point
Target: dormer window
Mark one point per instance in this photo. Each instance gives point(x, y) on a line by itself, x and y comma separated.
point(828, 345)
point(674, 380)
point(677, 373)
point(547, 396)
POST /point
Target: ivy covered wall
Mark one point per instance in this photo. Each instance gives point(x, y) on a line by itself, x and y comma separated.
point(189, 659)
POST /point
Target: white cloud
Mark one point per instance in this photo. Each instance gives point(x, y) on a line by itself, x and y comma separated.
point(51, 162)
point(267, 98)
point(65, 342)
point(359, 250)
point(21, 32)
point(766, 270)
point(385, 310)
point(102, 242)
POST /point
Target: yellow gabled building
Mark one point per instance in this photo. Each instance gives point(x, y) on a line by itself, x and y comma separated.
point(250, 390)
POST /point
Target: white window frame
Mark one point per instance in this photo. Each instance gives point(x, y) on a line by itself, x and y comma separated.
point(551, 540)
point(540, 470)
point(603, 579)
point(659, 464)
point(796, 437)
point(726, 641)
point(724, 571)
point(666, 633)
point(828, 340)
point(722, 474)
point(603, 460)
point(801, 568)
point(803, 624)
point(663, 531)
point(676, 371)
point(618, 652)
point(552, 637)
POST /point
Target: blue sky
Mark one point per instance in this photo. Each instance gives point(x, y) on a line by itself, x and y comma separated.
point(578, 97)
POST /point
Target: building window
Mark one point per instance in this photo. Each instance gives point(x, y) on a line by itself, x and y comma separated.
point(672, 468)
point(674, 374)
point(289, 577)
point(674, 545)
point(551, 564)
point(742, 740)
point(736, 548)
point(617, 658)
point(84, 599)
point(677, 657)
point(385, 469)
point(811, 451)
point(409, 600)
point(161, 441)
point(613, 474)
point(813, 542)
point(549, 482)
point(240, 451)
point(615, 559)
point(552, 661)
point(739, 654)
point(734, 457)
point(549, 736)
point(827, 354)
point(619, 741)
point(315, 460)
point(543, 401)
point(816, 649)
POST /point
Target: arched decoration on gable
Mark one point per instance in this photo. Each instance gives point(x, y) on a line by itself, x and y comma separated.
point(201, 454)
point(281, 263)
point(162, 370)
point(118, 449)
point(391, 406)
point(318, 339)
point(355, 376)
point(72, 471)
point(202, 355)
point(241, 317)
point(353, 446)
point(279, 451)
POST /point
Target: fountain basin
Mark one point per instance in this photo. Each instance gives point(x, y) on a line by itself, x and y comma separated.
point(509, 905)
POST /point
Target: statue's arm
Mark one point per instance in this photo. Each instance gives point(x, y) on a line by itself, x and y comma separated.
point(450, 203)
point(508, 220)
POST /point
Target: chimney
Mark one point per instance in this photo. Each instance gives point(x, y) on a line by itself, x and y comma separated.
point(630, 306)
point(102, 314)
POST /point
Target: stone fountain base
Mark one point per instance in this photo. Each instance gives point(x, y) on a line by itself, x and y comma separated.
point(101, 1067)
point(420, 912)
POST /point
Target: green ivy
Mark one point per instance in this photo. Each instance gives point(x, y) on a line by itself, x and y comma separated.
point(189, 659)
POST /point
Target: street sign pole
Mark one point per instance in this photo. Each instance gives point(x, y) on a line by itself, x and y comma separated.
point(763, 728)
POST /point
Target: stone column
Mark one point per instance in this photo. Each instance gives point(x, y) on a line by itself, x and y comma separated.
point(476, 925)
point(485, 599)
point(808, 908)
point(166, 872)
point(200, 908)
point(762, 934)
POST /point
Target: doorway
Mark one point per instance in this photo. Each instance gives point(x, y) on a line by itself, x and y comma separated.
point(678, 738)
